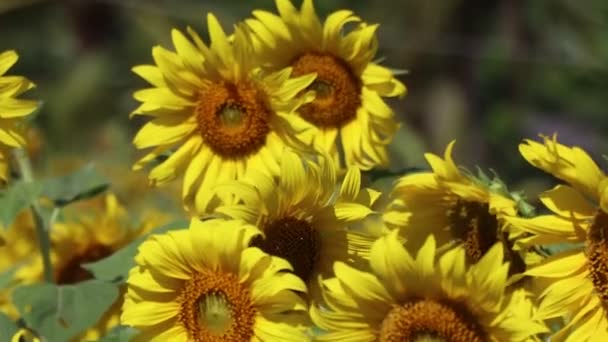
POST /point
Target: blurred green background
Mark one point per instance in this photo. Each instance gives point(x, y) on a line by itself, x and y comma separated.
point(487, 73)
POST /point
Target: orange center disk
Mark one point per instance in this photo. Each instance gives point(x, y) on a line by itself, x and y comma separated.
point(233, 118)
point(337, 90)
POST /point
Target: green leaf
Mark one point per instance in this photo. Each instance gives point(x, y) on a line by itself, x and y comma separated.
point(82, 184)
point(58, 313)
point(8, 328)
point(116, 267)
point(15, 198)
point(119, 334)
point(6, 276)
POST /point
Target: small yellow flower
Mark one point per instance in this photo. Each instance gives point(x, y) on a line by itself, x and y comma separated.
point(349, 87)
point(21, 247)
point(304, 215)
point(205, 284)
point(423, 297)
point(12, 110)
point(577, 288)
point(215, 113)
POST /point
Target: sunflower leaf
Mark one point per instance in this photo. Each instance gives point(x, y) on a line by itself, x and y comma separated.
point(116, 267)
point(60, 312)
point(8, 328)
point(82, 184)
point(6, 276)
point(15, 198)
point(119, 334)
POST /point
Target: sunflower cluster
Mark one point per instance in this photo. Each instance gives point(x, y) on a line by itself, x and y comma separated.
point(274, 130)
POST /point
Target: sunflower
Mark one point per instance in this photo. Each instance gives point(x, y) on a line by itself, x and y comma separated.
point(456, 208)
point(206, 284)
point(303, 218)
point(423, 298)
point(101, 227)
point(577, 277)
point(21, 247)
point(349, 87)
point(12, 110)
point(216, 111)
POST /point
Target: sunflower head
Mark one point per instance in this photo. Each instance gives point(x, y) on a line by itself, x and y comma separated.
point(304, 215)
point(574, 279)
point(458, 208)
point(216, 114)
point(92, 230)
point(20, 248)
point(206, 284)
point(423, 296)
point(12, 110)
point(349, 87)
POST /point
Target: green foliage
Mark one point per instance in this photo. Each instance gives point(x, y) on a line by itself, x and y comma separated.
point(6, 276)
point(59, 313)
point(119, 334)
point(82, 184)
point(8, 328)
point(116, 267)
point(15, 198)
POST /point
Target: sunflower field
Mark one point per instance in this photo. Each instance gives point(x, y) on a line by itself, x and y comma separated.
point(298, 170)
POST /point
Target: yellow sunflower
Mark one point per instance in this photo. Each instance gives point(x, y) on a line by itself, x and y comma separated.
point(12, 110)
point(454, 207)
point(304, 215)
point(21, 247)
point(91, 231)
point(206, 284)
point(578, 276)
point(349, 87)
point(425, 297)
point(216, 111)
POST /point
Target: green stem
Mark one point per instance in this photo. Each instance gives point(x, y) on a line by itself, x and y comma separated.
point(42, 230)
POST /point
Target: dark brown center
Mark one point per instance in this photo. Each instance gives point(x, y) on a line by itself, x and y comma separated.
point(294, 240)
point(472, 223)
point(233, 118)
point(72, 271)
point(597, 254)
point(338, 90)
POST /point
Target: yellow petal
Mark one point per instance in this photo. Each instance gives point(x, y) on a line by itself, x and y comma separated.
point(152, 74)
point(7, 60)
point(164, 131)
point(570, 164)
point(351, 184)
point(14, 108)
point(145, 314)
point(559, 265)
point(364, 285)
point(351, 211)
point(567, 202)
point(545, 225)
point(191, 57)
